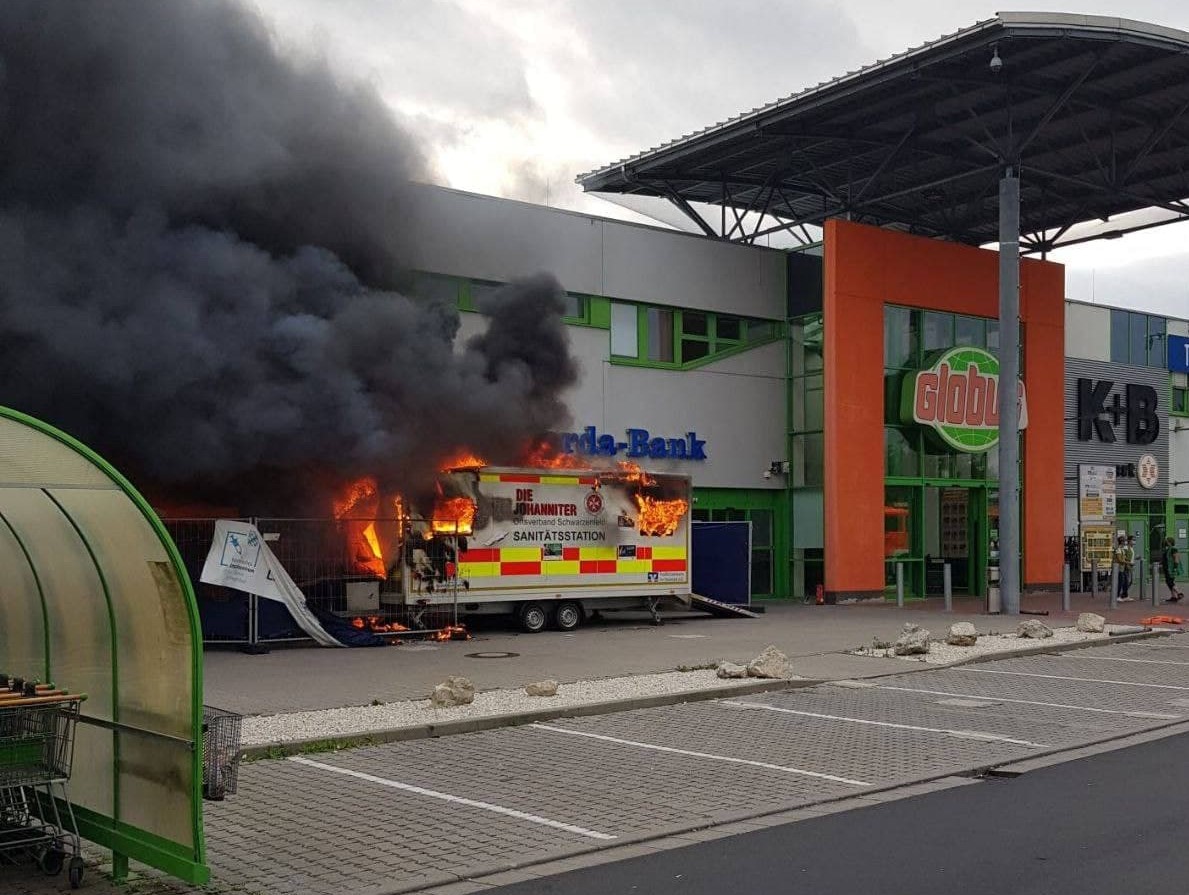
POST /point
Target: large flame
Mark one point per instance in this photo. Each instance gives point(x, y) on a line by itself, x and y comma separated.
point(453, 516)
point(363, 541)
point(628, 471)
point(463, 459)
point(543, 455)
point(355, 493)
point(659, 518)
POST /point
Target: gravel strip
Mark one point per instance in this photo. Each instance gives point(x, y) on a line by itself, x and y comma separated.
point(941, 653)
point(264, 730)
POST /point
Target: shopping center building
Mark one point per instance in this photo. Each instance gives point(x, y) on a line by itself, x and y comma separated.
point(805, 388)
point(842, 392)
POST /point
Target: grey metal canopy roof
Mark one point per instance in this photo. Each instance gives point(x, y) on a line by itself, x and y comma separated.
point(1090, 110)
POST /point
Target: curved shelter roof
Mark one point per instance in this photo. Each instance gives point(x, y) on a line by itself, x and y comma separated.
point(94, 597)
point(1091, 110)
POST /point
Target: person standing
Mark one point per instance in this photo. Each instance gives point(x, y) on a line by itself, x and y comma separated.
point(1169, 565)
point(1124, 558)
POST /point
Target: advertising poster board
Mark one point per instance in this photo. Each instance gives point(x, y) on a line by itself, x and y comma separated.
point(1096, 493)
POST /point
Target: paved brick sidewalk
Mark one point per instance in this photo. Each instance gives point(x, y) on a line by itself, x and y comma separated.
point(814, 636)
point(415, 813)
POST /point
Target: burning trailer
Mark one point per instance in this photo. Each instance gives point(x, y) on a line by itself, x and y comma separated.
point(544, 545)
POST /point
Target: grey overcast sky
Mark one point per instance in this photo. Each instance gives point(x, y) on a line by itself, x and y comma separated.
point(516, 97)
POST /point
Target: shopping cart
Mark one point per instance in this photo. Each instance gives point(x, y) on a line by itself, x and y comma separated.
point(37, 725)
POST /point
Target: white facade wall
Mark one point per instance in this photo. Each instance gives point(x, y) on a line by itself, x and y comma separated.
point(1087, 331)
point(467, 235)
point(736, 404)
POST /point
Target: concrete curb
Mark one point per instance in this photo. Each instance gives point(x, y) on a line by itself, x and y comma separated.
point(608, 707)
point(1052, 650)
point(491, 722)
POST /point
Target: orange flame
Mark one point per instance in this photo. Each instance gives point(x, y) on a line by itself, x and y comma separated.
point(358, 491)
point(631, 472)
point(372, 623)
point(452, 632)
point(659, 518)
point(464, 459)
point(543, 455)
point(363, 541)
point(453, 515)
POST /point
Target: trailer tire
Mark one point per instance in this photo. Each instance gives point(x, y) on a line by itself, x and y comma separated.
point(568, 615)
point(532, 617)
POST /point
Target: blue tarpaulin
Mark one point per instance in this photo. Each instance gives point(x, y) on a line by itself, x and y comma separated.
point(722, 561)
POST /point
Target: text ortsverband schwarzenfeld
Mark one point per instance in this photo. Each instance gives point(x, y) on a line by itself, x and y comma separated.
point(639, 443)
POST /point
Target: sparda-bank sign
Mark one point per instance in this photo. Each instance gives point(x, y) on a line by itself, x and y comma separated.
point(958, 399)
point(640, 444)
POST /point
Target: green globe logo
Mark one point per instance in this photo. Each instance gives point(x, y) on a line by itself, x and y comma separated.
point(957, 397)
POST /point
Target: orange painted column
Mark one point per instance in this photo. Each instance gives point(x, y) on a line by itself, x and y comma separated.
point(854, 451)
point(1043, 510)
point(866, 267)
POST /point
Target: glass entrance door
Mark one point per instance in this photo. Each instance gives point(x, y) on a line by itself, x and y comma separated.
point(955, 533)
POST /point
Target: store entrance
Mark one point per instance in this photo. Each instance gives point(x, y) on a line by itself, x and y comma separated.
point(955, 531)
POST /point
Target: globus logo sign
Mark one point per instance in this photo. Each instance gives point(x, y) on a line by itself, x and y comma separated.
point(958, 398)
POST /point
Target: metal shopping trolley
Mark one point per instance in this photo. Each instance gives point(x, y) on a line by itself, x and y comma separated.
point(37, 725)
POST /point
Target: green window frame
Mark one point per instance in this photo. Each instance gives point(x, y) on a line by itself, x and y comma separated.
point(682, 339)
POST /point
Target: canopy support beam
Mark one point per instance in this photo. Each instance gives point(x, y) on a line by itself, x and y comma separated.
point(1009, 399)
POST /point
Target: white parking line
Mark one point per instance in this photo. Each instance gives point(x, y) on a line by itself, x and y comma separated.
point(1058, 677)
point(727, 758)
point(458, 800)
point(1162, 716)
point(959, 734)
point(1121, 659)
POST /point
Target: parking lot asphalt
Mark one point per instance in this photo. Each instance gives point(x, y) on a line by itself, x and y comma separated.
point(467, 808)
point(816, 637)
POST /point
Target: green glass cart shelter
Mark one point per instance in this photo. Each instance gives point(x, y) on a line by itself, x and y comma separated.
point(94, 597)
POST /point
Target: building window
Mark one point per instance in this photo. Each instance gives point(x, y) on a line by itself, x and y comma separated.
point(1139, 339)
point(671, 337)
point(575, 307)
point(728, 329)
point(660, 335)
point(435, 287)
point(624, 330)
point(1180, 394)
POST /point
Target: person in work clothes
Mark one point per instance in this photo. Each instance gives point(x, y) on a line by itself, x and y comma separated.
point(1124, 559)
point(1169, 564)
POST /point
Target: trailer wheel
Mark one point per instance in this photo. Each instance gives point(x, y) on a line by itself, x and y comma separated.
point(533, 617)
point(568, 615)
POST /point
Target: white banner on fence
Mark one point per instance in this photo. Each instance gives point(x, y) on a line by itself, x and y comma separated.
point(240, 559)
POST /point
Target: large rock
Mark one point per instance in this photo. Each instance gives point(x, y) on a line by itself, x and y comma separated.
point(1091, 623)
point(770, 663)
point(913, 640)
point(542, 688)
point(962, 634)
point(1037, 630)
point(728, 670)
point(453, 691)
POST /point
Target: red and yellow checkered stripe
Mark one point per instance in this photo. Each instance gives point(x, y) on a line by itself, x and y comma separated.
point(544, 479)
point(499, 561)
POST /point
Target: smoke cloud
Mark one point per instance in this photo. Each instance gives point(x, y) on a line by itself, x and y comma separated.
point(200, 275)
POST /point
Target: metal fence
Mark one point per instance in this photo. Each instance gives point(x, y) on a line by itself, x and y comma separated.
point(355, 569)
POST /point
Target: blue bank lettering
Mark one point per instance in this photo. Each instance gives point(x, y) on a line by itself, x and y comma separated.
point(640, 444)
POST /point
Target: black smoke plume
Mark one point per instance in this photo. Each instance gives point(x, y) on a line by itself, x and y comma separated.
point(200, 265)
